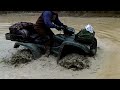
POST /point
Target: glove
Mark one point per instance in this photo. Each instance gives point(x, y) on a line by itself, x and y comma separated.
point(59, 28)
point(65, 26)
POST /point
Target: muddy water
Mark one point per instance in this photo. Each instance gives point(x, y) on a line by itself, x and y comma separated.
point(106, 63)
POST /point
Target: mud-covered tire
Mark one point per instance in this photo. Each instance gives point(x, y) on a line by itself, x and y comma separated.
point(21, 57)
point(74, 62)
point(93, 47)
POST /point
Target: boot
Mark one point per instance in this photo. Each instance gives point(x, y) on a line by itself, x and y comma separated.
point(48, 47)
point(47, 52)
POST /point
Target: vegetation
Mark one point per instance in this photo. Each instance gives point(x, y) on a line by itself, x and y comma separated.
point(75, 13)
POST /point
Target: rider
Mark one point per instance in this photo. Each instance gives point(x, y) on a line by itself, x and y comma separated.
point(47, 20)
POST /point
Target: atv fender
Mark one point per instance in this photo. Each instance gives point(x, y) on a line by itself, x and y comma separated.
point(34, 48)
point(68, 47)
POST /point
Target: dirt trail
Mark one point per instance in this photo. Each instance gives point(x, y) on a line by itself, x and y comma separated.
point(106, 64)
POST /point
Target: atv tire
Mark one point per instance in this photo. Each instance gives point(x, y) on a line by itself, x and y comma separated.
point(74, 62)
point(21, 57)
point(93, 47)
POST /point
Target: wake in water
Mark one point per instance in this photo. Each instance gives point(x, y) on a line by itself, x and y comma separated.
point(71, 61)
point(21, 57)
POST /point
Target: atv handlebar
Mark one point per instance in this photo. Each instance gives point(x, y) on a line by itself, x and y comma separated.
point(69, 31)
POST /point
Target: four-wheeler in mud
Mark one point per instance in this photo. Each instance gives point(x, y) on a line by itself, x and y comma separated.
point(64, 44)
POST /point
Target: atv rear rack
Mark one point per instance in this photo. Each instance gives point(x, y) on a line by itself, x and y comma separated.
point(14, 37)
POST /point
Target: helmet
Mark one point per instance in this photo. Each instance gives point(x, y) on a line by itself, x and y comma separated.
point(89, 28)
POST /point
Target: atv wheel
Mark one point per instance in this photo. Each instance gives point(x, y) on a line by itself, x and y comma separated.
point(93, 47)
point(74, 62)
point(21, 57)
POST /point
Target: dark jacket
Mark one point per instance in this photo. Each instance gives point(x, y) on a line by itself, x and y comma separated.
point(45, 22)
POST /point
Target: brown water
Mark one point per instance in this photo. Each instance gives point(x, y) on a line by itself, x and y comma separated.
point(105, 65)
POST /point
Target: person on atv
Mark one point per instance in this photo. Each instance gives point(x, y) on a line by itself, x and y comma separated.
point(46, 21)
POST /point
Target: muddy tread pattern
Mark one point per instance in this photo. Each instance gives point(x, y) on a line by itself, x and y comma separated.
point(74, 62)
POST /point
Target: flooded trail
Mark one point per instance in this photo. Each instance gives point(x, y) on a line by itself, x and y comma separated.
point(106, 63)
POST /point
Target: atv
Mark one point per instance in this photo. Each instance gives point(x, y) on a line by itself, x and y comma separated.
point(64, 44)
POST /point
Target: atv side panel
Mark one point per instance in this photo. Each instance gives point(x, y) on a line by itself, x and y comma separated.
point(34, 48)
point(68, 47)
